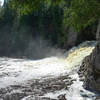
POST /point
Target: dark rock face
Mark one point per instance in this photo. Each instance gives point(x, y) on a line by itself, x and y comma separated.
point(90, 70)
point(71, 38)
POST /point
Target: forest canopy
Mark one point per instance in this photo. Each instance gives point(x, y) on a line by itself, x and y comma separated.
point(23, 7)
point(77, 13)
point(25, 20)
point(82, 13)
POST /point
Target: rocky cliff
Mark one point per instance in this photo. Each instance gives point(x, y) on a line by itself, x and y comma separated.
point(90, 68)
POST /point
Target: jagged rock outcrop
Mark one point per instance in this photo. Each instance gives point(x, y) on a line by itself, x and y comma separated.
point(90, 67)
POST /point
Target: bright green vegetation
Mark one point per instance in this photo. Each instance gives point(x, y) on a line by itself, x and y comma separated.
point(82, 13)
point(77, 13)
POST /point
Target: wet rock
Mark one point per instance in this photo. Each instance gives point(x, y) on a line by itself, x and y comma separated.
point(3, 91)
point(45, 98)
point(37, 98)
point(82, 79)
point(15, 96)
point(37, 88)
point(62, 97)
point(90, 69)
point(97, 98)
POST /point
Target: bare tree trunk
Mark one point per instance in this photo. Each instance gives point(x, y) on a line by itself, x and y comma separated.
point(98, 32)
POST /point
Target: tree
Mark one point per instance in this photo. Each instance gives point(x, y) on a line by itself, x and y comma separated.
point(78, 14)
point(28, 6)
point(82, 13)
point(49, 13)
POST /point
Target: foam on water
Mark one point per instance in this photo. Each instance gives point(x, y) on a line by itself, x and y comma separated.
point(74, 59)
point(15, 71)
point(20, 71)
point(75, 92)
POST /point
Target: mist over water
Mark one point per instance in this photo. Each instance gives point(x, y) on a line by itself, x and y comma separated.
point(32, 66)
point(24, 72)
point(40, 48)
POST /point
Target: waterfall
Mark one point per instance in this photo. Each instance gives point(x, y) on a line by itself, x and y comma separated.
point(23, 71)
point(74, 59)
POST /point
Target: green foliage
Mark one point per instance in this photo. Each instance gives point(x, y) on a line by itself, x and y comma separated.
point(82, 13)
point(51, 19)
point(24, 7)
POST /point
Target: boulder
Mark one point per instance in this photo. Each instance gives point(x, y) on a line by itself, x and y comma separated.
point(90, 69)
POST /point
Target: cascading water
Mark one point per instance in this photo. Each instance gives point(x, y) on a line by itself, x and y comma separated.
point(74, 60)
point(46, 77)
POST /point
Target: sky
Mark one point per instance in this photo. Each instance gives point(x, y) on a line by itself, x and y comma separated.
point(1, 2)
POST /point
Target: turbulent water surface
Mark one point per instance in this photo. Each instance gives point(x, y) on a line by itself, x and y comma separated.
point(53, 78)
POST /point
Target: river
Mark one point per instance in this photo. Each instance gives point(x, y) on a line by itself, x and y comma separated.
point(50, 78)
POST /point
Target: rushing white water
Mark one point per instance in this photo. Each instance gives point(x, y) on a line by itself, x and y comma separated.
point(20, 71)
point(75, 92)
point(74, 58)
point(15, 71)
